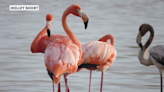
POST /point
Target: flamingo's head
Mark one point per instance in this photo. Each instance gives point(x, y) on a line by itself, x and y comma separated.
point(76, 10)
point(49, 20)
point(143, 29)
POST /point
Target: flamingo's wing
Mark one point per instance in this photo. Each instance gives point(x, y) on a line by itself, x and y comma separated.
point(45, 40)
point(98, 53)
point(157, 53)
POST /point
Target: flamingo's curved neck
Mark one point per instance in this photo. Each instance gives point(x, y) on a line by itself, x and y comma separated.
point(37, 38)
point(106, 37)
point(69, 31)
point(142, 58)
point(142, 53)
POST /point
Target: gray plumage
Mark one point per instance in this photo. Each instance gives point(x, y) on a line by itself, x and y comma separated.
point(157, 52)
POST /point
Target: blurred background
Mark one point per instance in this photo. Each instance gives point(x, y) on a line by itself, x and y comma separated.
point(23, 71)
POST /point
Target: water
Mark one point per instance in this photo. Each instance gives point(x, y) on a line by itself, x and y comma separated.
point(23, 71)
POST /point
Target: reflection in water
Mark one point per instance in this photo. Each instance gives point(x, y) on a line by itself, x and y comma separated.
point(22, 70)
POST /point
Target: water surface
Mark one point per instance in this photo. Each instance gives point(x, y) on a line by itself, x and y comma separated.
point(23, 71)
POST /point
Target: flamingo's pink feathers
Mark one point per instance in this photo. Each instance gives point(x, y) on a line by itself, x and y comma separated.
point(45, 40)
point(98, 52)
point(61, 57)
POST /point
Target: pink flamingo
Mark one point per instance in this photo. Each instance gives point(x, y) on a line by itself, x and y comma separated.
point(62, 53)
point(41, 41)
point(99, 55)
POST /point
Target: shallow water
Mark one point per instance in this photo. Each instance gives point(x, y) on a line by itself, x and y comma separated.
point(23, 71)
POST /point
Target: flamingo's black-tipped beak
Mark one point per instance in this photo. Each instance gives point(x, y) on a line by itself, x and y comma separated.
point(84, 17)
point(48, 33)
point(49, 28)
point(141, 46)
point(86, 24)
point(138, 40)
